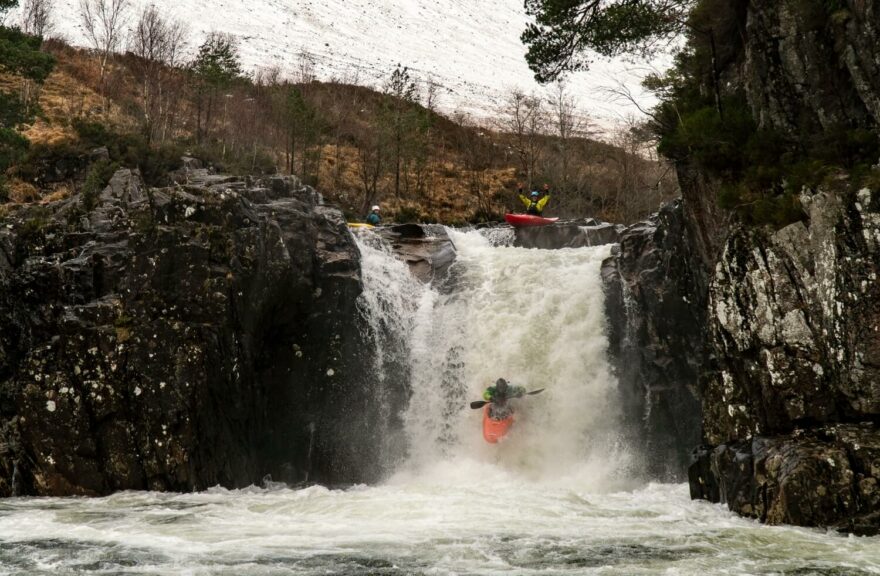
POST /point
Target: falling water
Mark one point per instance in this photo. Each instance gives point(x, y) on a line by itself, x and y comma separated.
point(537, 319)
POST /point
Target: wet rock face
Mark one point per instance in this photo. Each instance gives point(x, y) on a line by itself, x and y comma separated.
point(794, 331)
point(180, 338)
point(571, 234)
point(426, 248)
point(827, 476)
point(656, 316)
point(804, 69)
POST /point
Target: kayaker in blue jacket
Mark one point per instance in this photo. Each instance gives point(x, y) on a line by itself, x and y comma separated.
point(535, 202)
point(498, 395)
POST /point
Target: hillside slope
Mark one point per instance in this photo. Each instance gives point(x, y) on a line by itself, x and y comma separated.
point(471, 49)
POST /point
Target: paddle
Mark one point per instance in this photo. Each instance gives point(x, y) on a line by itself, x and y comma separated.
point(480, 403)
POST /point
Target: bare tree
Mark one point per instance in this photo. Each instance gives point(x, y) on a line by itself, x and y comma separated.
point(432, 91)
point(525, 119)
point(477, 152)
point(104, 23)
point(638, 187)
point(37, 21)
point(306, 63)
point(37, 17)
point(569, 124)
point(158, 44)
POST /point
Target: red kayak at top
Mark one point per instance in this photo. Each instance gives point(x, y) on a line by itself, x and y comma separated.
point(519, 220)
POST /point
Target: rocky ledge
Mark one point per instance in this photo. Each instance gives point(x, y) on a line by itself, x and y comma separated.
point(568, 234)
point(653, 283)
point(791, 399)
point(180, 338)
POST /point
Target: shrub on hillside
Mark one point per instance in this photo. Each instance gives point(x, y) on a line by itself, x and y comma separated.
point(96, 180)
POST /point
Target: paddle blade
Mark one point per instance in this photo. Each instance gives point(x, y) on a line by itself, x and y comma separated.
point(478, 404)
point(536, 391)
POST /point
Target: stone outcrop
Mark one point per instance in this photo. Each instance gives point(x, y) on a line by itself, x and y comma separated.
point(426, 248)
point(791, 403)
point(568, 234)
point(180, 338)
point(790, 384)
point(653, 284)
point(804, 68)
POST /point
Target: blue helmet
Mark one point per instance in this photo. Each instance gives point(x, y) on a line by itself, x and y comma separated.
point(535, 194)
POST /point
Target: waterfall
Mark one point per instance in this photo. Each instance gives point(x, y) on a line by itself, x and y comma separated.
point(533, 317)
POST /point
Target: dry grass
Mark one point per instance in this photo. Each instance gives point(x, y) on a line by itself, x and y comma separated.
point(60, 193)
point(448, 195)
point(450, 192)
point(21, 192)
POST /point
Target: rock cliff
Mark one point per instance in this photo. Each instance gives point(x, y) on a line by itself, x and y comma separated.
point(790, 385)
point(792, 401)
point(656, 312)
point(180, 338)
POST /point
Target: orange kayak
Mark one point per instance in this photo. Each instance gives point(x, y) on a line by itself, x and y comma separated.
point(495, 430)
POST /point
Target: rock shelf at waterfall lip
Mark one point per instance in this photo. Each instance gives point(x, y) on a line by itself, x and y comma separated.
point(426, 248)
point(568, 234)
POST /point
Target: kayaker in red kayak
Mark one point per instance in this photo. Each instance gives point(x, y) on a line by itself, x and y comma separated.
point(535, 202)
point(498, 395)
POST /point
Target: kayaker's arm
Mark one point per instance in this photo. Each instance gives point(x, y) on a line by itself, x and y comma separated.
point(543, 202)
point(522, 197)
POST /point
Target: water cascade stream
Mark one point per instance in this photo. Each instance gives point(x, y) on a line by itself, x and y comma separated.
point(559, 496)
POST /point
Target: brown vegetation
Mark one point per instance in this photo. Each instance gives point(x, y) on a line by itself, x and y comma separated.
point(358, 146)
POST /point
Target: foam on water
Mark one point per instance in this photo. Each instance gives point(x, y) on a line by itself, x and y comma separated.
point(462, 517)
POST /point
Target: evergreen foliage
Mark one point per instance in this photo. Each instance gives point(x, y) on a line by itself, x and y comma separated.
point(216, 67)
point(96, 180)
point(564, 30)
point(699, 122)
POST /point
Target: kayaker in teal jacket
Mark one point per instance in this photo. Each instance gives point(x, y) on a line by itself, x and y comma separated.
point(498, 395)
point(373, 217)
point(534, 203)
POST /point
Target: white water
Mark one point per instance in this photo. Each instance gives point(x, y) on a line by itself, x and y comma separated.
point(555, 498)
point(537, 319)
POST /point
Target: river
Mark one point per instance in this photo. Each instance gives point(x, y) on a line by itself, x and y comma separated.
point(563, 494)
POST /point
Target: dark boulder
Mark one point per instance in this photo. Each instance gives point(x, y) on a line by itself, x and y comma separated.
point(180, 338)
point(825, 477)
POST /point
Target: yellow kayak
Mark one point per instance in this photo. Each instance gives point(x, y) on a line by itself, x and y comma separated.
point(359, 225)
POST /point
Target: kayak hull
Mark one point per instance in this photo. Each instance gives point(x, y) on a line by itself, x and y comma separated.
point(359, 225)
point(495, 430)
point(524, 220)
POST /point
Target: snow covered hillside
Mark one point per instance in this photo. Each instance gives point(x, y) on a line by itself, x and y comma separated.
point(471, 48)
